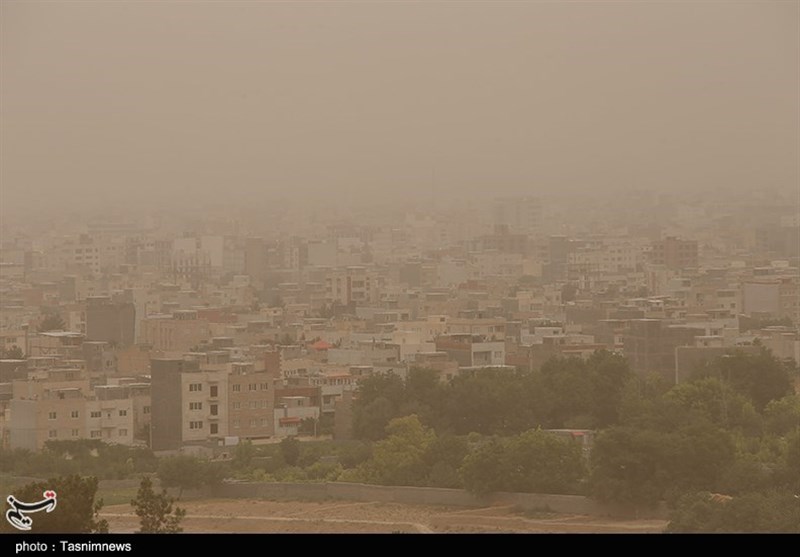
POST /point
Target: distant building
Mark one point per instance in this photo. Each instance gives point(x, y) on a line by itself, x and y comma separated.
point(111, 322)
point(674, 253)
point(58, 405)
point(522, 215)
point(472, 350)
point(649, 345)
point(251, 400)
point(178, 332)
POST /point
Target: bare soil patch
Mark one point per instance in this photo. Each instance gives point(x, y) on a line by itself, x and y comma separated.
point(252, 515)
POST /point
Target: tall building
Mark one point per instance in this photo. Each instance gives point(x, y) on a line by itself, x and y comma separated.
point(166, 402)
point(522, 215)
point(251, 401)
point(674, 253)
point(111, 322)
point(650, 344)
point(178, 332)
point(354, 284)
point(189, 404)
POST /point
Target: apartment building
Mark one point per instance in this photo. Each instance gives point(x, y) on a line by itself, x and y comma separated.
point(251, 401)
point(178, 332)
point(471, 350)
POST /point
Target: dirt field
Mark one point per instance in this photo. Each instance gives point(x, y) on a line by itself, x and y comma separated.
point(248, 515)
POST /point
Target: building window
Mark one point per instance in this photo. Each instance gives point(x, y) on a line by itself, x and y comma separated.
point(237, 405)
point(52, 416)
point(237, 388)
point(195, 387)
point(264, 422)
point(252, 387)
point(52, 434)
point(253, 423)
point(214, 390)
point(214, 429)
point(95, 434)
point(214, 409)
point(123, 412)
point(123, 433)
point(74, 414)
point(195, 406)
point(146, 410)
point(264, 386)
point(74, 432)
point(253, 404)
point(196, 425)
point(236, 423)
point(95, 414)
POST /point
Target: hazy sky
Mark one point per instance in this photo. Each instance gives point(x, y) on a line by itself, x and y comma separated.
point(230, 99)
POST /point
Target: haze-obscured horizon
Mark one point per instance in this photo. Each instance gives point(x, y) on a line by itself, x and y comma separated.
point(241, 102)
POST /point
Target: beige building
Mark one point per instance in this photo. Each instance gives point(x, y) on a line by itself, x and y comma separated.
point(59, 405)
point(204, 405)
point(178, 332)
point(251, 401)
point(354, 284)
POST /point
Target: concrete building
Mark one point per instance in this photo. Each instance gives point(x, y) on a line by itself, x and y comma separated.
point(167, 402)
point(59, 405)
point(522, 215)
point(251, 400)
point(178, 332)
point(472, 350)
point(649, 345)
point(674, 253)
point(772, 298)
point(352, 284)
point(111, 322)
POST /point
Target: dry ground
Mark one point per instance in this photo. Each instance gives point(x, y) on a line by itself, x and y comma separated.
point(251, 515)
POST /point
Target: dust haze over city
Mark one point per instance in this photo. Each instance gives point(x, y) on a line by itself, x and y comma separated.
point(470, 266)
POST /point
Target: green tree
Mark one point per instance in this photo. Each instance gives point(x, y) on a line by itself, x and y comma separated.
point(399, 459)
point(792, 461)
point(534, 462)
point(492, 401)
point(609, 376)
point(568, 382)
point(243, 454)
point(422, 395)
point(783, 415)
point(625, 467)
point(761, 376)
point(378, 400)
point(354, 453)
point(76, 510)
point(639, 467)
point(444, 457)
point(716, 401)
point(52, 322)
point(484, 470)
point(754, 512)
point(183, 472)
point(290, 450)
point(155, 511)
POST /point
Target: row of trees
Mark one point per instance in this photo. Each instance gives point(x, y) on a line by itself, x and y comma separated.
point(733, 428)
point(565, 393)
point(89, 457)
point(78, 508)
point(413, 454)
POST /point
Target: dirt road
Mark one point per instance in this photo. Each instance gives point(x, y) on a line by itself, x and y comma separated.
point(249, 515)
